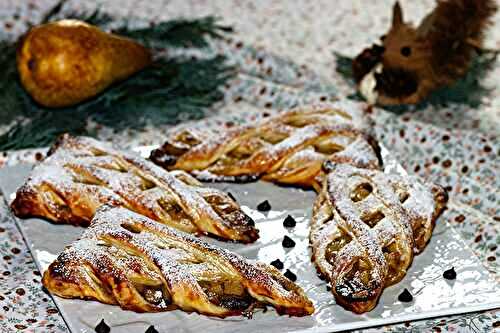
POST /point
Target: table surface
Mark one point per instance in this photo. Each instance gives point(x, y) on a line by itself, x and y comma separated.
point(285, 52)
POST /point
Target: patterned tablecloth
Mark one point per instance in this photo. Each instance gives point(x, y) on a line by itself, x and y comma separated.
point(285, 52)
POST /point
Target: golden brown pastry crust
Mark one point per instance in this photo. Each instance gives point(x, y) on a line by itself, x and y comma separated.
point(80, 174)
point(365, 229)
point(127, 259)
point(289, 148)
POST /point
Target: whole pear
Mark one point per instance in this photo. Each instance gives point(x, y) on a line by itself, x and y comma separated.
point(66, 62)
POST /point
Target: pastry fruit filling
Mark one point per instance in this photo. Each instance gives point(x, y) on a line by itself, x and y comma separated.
point(372, 218)
point(273, 137)
point(155, 294)
point(361, 191)
point(227, 293)
point(328, 147)
point(173, 210)
point(392, 256)
point(333, 248)
point(357, 284)
point(224, 207)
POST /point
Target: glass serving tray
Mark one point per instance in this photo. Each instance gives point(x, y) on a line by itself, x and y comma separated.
point(473, 290)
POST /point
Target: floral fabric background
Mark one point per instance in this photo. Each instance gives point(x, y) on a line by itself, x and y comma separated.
point(286, 53)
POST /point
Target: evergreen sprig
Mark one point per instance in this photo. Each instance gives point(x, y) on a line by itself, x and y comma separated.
point(165, 93)
point(179, 33)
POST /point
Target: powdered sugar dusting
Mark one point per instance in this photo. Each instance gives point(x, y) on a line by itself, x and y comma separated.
point(380, 218)
point(82, 173)
point(337, 131)
point(184, 270)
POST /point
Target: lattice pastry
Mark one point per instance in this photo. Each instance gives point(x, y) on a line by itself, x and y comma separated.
point(128, 259)
point(289, 148)
point(365, 229)
point(80, 173)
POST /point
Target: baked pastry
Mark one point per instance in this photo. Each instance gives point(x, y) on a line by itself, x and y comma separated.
point(366, 227)
point(130, 260)
point(80, 174)
point(289, 148)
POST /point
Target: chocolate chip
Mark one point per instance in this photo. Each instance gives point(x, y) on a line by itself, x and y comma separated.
point(249, 220)
point(405, 296)
point(277, 263)
point(151, 329)
point(450, 274)
point(290, 276)
point(232, 196)
point(289, 222)
point(102, 327)
point(264, 206)
point(288, 242)
point(328, 288)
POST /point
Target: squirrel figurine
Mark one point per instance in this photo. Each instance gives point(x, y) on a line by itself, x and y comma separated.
point(412, 62)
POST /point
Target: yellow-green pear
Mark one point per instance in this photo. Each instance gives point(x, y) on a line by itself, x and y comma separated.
point(66, 62)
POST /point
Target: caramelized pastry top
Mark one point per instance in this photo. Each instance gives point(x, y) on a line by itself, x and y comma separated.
point(366, 227)
point(80, 174)
point(289, 148)
point(127, 259)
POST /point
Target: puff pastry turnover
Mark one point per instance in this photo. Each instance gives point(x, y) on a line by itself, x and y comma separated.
point(289, 148)
point(130, 260)
point(365, 229)
point(80, 173)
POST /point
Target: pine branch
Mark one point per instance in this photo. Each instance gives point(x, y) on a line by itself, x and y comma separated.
point(166, 93)
point(180, 33)
point(96, 17)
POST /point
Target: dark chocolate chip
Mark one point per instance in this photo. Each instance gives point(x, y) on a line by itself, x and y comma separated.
point(102, 327)
point(151, 329)
point(277, 263)
point(288, 242)
point(289, 222)
point(450, 274)
point(264, 206)
point(328, 288)
point(249, 220)
point(405, 296)
point(290, 276)
point(232, 196)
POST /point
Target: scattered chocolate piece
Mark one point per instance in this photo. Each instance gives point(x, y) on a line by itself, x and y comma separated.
point(264, 206)
point(450, 274)
point(249, 220)
point(328, 288)
point(151, 329)
point(232, 196)
point(405, 296)
point(290, 276)
point(277, 263)
point(289, 222)
point(102, 327)
point(288, 242)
